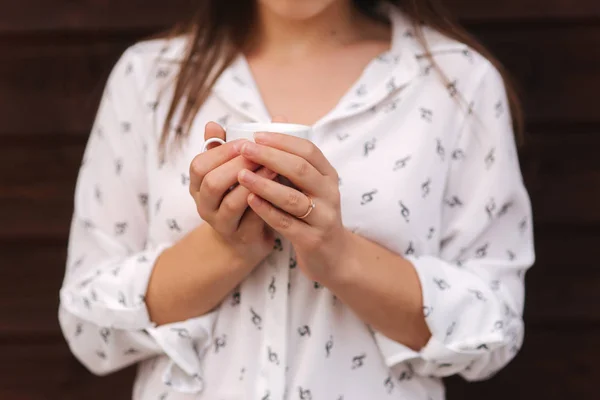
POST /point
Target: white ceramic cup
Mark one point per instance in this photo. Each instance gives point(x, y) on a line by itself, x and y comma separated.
point(247, 131)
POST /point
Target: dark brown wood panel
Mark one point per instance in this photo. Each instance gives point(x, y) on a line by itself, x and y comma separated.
point(26, 16)
point(46, 370)
point(60, 83)
point(49, 87)
point(88, 15)
point(509, 10)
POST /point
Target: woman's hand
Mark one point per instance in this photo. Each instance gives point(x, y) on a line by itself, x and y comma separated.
point(223, 204)
point(319, 238)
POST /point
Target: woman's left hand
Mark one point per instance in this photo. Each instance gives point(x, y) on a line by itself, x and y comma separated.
point(319, 239)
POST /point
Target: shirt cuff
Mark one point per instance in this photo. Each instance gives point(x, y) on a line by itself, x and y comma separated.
point(185, 343)
point(463, 327)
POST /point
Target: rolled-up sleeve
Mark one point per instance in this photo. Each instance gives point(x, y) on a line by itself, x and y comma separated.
point(473, 290)
point(102, 310)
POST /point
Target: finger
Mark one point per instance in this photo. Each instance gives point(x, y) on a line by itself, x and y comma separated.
point(231, 210)
point(205, 162)
point(299, 171)
point(213, 130)
point(291, 228)
point(301, 147)
point(283, 197)
point(218, 181)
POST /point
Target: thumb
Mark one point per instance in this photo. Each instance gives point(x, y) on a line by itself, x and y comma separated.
point(213, 130)
point(279, 118)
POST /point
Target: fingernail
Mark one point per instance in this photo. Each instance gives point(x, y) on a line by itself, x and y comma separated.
point(245, 176)
point(249, 148)
point(254, 199)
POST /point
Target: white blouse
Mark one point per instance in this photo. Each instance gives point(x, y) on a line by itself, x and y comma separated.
point(428, 170)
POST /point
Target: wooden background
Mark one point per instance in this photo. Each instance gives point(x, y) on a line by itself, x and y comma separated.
point(54, 59)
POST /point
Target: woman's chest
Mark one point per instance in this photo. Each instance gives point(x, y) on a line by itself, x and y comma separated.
point(392, 162)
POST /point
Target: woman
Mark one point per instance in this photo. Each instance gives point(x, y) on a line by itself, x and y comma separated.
point(408, 269)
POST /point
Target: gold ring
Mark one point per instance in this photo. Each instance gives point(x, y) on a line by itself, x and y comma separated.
point(311, 207)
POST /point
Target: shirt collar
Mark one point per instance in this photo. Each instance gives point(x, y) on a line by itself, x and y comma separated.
point(384, 76)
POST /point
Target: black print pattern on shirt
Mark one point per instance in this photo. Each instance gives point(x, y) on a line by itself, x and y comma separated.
point(78, 329)
point(173, 225)
point(407, 374)
point(130, 352)
point(427, 311)
point(361, 90)
point(523, 225)
point(120, 228)
point(391, 106)
point(404, 211)
point(278, 245)
point(267, 396)
point(400, 164)
point(426, 114)
point(511, 255)
point(122, 300)
point(490, 207)
point(389, 384)
point(452, 88)
point(272, 356)
point(242, 372)
point(328, 346)
point(450, 329)
point(304, 331)
point(458, 154)
point(105, 334)
point(304, 394)
point(272, 289)
point(256, 319)
point(490, 158)
point(478, 294)
point(358, 361)
point(143, 197)
point(293, 263)
point(118, 166)
point(126, 127)
point(499, 108)
point(439, 149)
point(342, 136)
point(369, 146)
point(236, 298)
point(410, 250)
point(157, 206)
point(453, 202)
point(426, 188)
point(223, 120)
point(504, 209)
point(481, 252)
point(317, 285)
point(391, 85)
point(220, 342)
point(185, 179)
point(182, 333)
point(163, 396)
point(368, 197)
point(441, 283)
point(430, 233)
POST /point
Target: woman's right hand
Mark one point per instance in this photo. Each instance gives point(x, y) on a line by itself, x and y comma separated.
point(223, 204)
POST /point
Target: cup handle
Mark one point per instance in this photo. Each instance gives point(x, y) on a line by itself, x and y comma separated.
point(212, 140)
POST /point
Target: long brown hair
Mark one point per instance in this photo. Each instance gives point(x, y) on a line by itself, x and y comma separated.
point(217, 35)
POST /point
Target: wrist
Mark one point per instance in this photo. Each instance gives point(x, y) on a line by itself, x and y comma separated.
point(344, 267)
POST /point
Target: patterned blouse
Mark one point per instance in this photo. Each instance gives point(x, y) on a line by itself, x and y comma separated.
point(428, 169)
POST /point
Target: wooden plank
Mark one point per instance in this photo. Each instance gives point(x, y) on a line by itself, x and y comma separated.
point(523, 9)
point(47, 370)
point(37, 176)
point(93, 15)
point(89, 15)
point(554, 67)
point(47, 88)
point(562, 288)
point(552, 365)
